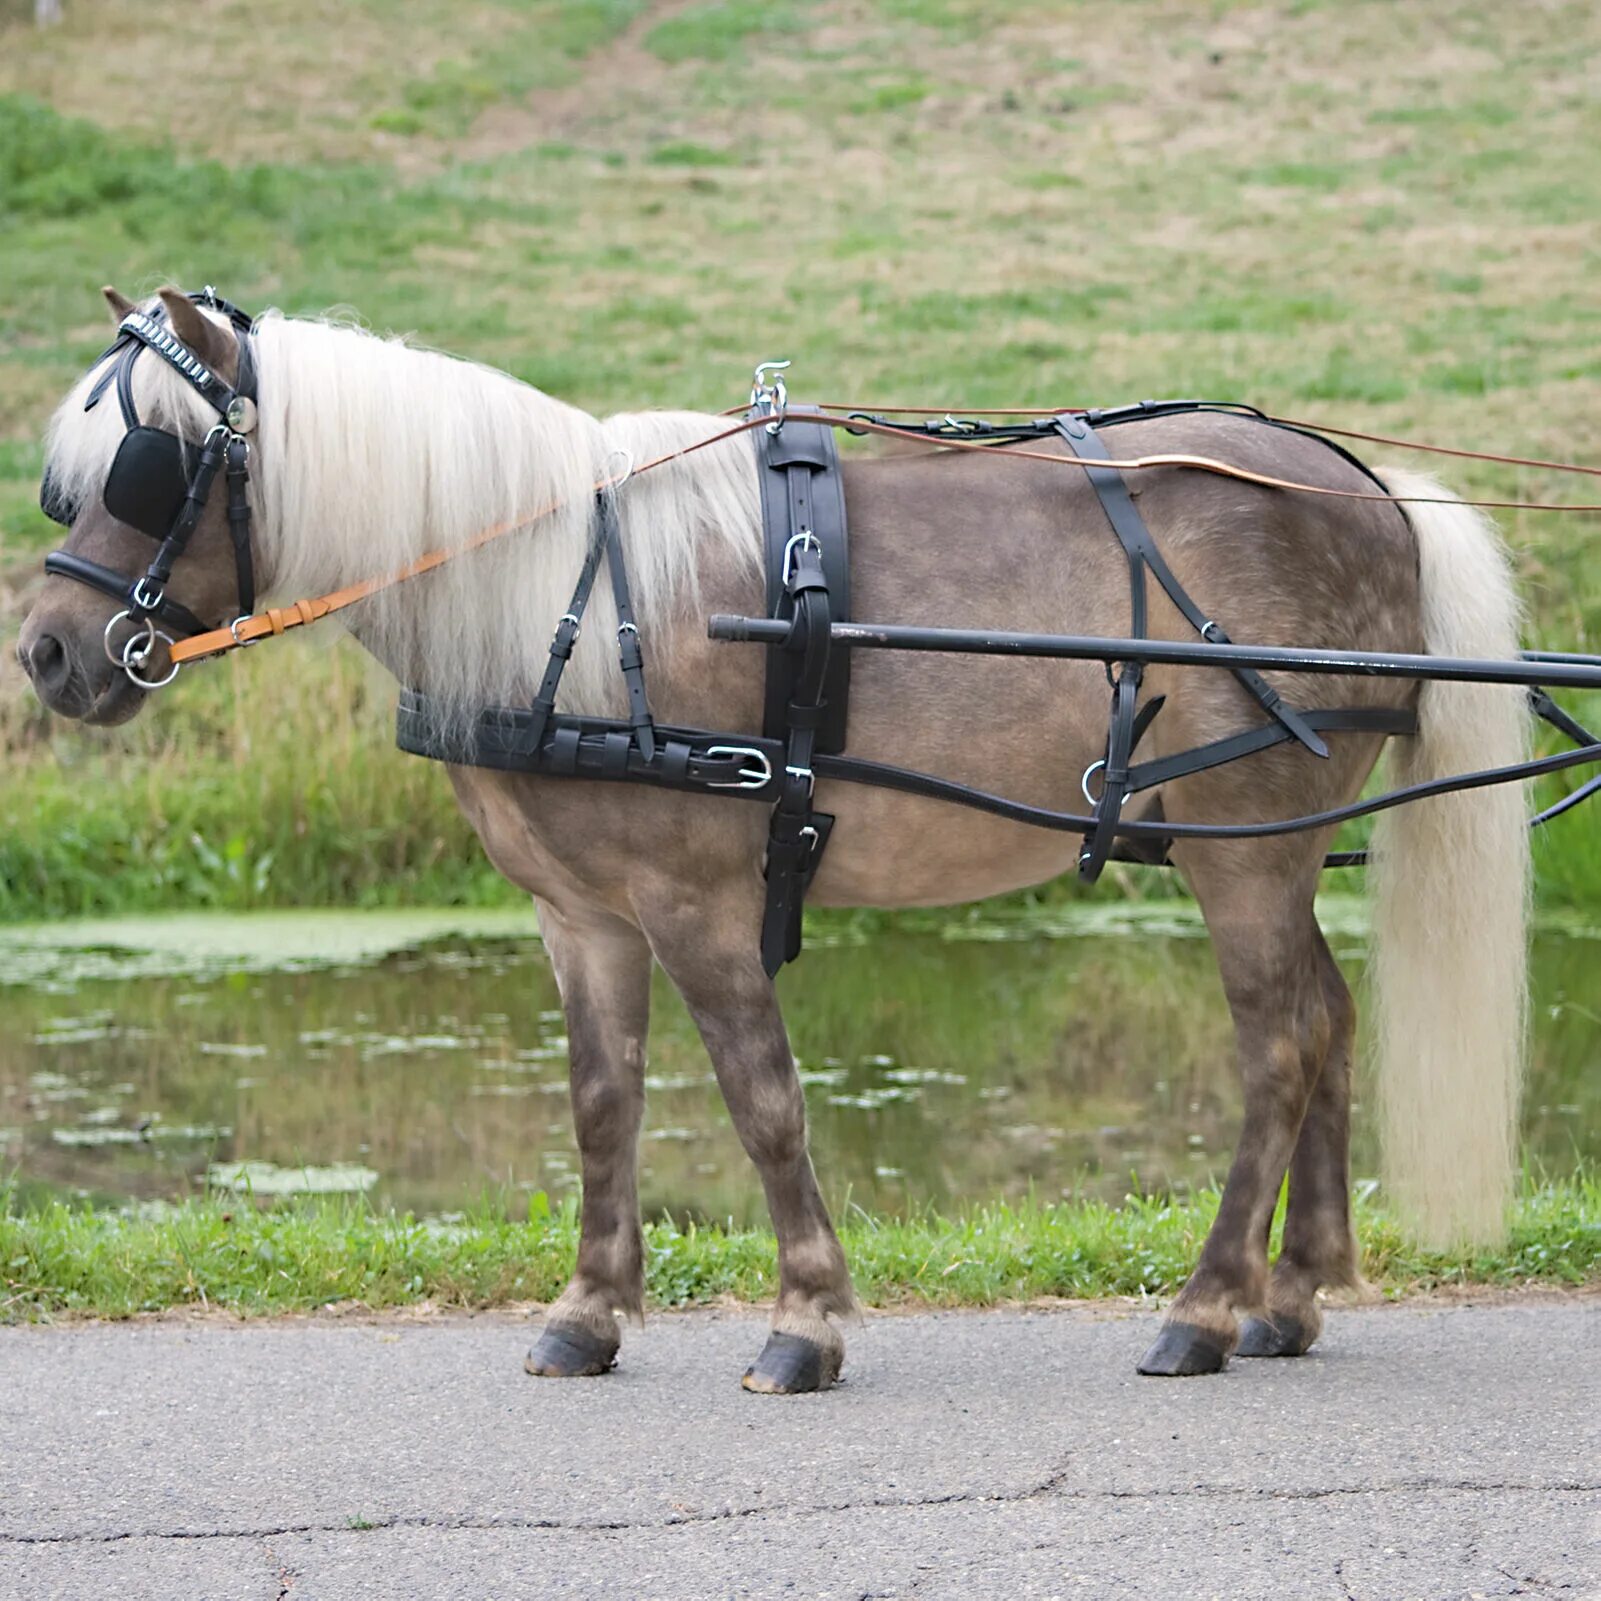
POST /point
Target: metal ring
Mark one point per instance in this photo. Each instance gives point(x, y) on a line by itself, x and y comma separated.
point(131, 664)
point(1084, 782)
point(115, 657)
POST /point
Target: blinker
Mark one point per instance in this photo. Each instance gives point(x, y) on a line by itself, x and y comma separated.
point(145, 488)
point(148, 481)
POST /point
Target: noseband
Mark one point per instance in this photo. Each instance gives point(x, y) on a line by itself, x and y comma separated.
point(159, 484)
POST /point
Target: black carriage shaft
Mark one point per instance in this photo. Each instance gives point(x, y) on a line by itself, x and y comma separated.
point(1549, 669)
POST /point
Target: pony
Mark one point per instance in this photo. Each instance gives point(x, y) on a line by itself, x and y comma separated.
point(369, 452)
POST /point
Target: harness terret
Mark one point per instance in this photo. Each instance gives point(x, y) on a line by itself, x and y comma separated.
point(159, 483)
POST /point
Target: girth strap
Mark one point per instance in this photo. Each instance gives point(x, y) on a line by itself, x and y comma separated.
point(797, 834)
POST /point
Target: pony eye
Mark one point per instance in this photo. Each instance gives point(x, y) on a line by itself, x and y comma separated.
point(54, 502)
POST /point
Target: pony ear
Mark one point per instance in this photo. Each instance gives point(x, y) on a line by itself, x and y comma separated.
point(209, 342)
point(120, 304)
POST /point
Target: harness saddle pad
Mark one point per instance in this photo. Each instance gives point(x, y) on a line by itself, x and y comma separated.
point(802, 493)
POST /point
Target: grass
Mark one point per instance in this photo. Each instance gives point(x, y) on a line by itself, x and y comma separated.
point(1378, 215)
point(58, 1260)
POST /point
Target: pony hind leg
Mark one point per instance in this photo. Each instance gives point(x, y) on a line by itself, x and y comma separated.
point(602, 967)
point(1319, 1243)
point(710, 953)
point(1259, 915)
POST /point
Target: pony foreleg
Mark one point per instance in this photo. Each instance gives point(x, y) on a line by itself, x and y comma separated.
point(1259, 928)
point(1319, 1245)
point(731, 999)
point(602, 968)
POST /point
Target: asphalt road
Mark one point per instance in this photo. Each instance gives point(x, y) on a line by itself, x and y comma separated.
point(1419, 1452)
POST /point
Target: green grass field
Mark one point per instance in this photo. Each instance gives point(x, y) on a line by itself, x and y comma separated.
point(1366, 213)
point(56, 1260)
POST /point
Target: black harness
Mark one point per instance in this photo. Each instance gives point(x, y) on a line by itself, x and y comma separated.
point(159, 483)
point(807, 697)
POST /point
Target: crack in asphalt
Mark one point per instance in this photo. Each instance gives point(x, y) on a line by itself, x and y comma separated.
point(1049, 1488)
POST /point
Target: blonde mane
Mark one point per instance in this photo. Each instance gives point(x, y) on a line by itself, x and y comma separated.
point(370, 452)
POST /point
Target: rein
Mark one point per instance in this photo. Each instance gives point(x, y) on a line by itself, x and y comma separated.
point(146, 600)
point(278, 620)
point(952, 412)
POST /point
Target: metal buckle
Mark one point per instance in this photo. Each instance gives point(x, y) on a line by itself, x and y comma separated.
point(806, 540)
point(807, 774)
point(233, 628)
point(747, 779)
point(148, 595)
point(773, 398)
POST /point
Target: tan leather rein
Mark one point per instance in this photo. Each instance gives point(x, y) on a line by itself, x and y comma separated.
point(281, 619)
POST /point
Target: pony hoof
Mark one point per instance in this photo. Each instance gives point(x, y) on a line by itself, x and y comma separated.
point(1280, 1335)
point(569, 1352)
point(790, 1365)
point(1182, 1350)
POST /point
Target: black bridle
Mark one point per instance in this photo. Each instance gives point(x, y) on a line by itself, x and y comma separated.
point(159, 483)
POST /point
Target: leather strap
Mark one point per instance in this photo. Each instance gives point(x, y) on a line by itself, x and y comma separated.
point(750, 767)
point(570, 624)
point(803, 495)
point(120, 588)
point(1136, 539)
point(795, 836)
point(629, 650)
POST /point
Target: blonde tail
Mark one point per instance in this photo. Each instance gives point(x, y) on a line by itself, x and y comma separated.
point(1450, 964)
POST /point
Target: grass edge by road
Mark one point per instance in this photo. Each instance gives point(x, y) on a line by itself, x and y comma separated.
point(58, 1260)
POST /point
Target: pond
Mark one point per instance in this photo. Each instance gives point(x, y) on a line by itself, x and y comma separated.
point(421, 1057)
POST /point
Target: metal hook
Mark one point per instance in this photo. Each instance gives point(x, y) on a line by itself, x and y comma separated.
point(628, 471)
point(773, 398)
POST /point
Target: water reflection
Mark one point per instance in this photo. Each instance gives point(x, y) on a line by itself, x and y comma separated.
point(937, 1070)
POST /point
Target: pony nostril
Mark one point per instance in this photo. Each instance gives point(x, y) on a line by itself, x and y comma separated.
point(48, 664)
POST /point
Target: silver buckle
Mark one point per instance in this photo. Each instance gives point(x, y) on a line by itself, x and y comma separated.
point(805, 540)
point(747, 779)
